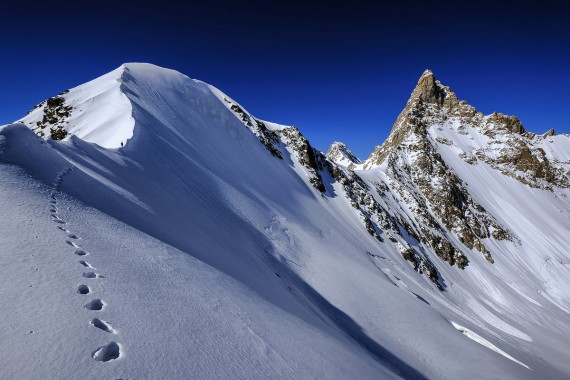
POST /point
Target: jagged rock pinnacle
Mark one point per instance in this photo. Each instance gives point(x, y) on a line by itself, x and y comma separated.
point(550, 132)
point(428, 90)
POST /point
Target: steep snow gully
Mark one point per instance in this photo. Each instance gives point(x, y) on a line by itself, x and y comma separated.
point(187, 238)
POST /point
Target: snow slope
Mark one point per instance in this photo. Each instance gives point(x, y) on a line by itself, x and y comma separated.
point(522, 299)
point(101, 112)
point(171, 315)
point(220, 259)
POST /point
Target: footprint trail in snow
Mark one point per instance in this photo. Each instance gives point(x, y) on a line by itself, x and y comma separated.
point(111, 350)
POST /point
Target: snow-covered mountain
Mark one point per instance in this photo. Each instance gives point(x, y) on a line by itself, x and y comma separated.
point(339, 153)
point(154, 228)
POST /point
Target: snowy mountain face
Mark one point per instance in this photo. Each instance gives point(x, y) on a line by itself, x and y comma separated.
point(175, 228)
point(340, 154)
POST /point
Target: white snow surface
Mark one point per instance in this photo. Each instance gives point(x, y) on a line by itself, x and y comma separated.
point(101, 111)
point(471, 335)
point(213, 259)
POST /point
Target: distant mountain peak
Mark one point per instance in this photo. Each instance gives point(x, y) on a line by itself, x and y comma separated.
point(339, 153)
point(434, 116)
point(429, 89)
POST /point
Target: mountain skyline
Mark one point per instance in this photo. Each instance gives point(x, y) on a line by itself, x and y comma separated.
point(158, 200)
point(340, 73)
point(284, 190)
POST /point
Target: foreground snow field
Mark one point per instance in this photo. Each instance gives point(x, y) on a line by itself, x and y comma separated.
point(171, 315)
point(173, 235)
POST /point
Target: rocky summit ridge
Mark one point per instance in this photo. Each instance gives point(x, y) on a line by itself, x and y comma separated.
point(500, 141)
point(442, 217)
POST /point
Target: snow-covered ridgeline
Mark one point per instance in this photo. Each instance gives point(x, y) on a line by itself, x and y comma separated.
point(193, 174)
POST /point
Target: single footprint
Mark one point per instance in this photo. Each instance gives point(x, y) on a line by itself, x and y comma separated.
point(95, 304)
point(89, 274)
point(83, 289)
point(74, 245)
point(80, 252)
point(110, 351)
point(52, 201)
point(72, 236)
point(62, 228)
point(103, 325)
point(85, 264)
point(57, 220)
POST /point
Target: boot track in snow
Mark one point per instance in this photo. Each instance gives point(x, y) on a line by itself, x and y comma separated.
point(111, 350)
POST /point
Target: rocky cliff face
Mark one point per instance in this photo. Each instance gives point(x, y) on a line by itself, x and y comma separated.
point(439, 199)
point(268, 138)
point(517, 153)
point(440, 215)
point(506, 145)
point(276, 141)
point(53, 117)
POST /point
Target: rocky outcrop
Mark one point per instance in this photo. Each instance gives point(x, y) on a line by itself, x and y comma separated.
point(268, 138)
point(514, 152)
point(430, 103)
point(375, 219)
point(339, 153)
point(378, 221)
point(428, 90)
point(55, 118)
point(510, 148)
point(445, 217)
point(306, 155)
point(504, 123)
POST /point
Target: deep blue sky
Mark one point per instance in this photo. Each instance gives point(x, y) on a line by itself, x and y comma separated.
point(337, 70)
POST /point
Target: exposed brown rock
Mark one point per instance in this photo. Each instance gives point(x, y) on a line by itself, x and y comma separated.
point(511, 124)
point(55, 117)
point(427, 90)
point(447, 206)
point(306, 155)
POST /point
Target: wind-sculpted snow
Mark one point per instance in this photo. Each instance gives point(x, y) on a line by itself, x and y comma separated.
point(97, 112)
point(266, 259)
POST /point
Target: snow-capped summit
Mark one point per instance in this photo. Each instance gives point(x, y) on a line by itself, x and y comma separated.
point(97, 111)
point(339, 153)
point(101, 111)
point(440, 256)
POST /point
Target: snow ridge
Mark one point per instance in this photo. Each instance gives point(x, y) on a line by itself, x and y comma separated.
point(97, 112)
point(361, 261)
